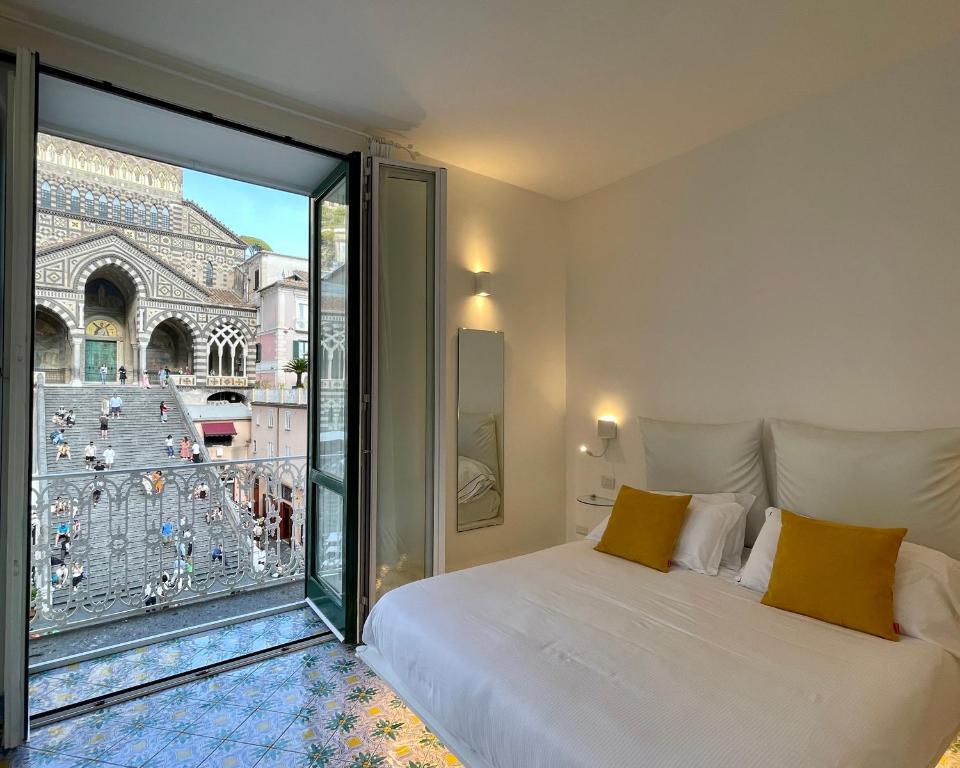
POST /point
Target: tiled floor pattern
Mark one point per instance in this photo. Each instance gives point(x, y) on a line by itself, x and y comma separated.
point(88, 679)
point(317, 708)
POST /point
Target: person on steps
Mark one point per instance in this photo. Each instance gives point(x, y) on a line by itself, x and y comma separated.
point(195, 450)
point(103, 374)
point(109, 455)
point(104, 426)
point(169, 445)
point(164, 410)
point(123, 375)
point(90, 454)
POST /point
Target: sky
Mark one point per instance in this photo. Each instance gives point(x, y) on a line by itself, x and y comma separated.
point(280, 218)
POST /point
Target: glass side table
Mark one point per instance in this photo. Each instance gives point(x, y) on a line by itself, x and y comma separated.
point(595, 501)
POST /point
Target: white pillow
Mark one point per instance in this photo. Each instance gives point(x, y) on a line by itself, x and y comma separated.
point(474, 478)
point(733, 548)
point(926, 597)
point(756, 573)
point(702, 538)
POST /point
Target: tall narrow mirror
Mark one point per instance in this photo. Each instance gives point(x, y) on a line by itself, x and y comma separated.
point(479, 429)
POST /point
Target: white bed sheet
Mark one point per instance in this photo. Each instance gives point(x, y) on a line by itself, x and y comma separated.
point(568, 657)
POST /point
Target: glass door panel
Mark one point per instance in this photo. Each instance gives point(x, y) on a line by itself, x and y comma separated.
point(407, 217)
point(334, 399)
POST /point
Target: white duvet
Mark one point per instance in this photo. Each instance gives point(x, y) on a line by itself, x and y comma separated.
point(568, 657)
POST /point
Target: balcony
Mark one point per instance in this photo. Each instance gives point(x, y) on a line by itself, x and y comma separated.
point(115, 544)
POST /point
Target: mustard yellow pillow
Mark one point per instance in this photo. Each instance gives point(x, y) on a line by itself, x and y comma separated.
point(644, 527)
point(842, 574)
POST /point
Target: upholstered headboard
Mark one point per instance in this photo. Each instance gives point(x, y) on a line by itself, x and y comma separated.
point(885, 479)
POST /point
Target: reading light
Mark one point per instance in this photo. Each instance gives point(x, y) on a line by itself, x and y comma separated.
point(606, 431)
point(481, 284)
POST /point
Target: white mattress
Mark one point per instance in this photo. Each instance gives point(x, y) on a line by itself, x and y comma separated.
point(568, 657)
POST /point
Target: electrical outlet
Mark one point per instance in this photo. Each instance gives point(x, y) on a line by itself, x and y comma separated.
point(582, 530)
point(608, 482)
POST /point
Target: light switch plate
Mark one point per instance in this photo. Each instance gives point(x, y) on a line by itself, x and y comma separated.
point(608, 482)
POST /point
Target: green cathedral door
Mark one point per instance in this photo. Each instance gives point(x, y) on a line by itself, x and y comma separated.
point(100, 353)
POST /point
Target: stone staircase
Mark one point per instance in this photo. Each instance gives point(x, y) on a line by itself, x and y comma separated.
point(137, 437)
point(119, 545)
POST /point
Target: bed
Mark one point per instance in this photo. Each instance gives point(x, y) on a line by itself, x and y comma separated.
point(572, 658)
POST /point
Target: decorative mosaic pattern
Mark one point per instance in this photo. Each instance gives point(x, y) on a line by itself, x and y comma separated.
point(318, 708)
point(88, 679)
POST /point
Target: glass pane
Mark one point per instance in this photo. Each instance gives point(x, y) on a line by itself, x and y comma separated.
point(328, 556)
point(333, 331)
point(405, 350)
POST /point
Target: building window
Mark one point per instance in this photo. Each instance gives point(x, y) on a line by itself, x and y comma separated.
point(258, 418)
point(154, 219)
point(104, 207)
point(256, 279)
point(75, 200)
point(269, 448)
point(165, 218)
point(128, 212)
point(45, 194)
point(254, 446)
point(286, 450)
point(270, 419)
point(141, 213)
point(287, 421)
point(61, 197)
point(88, 203)
point(116, 208)
point(257, 351)
point(208, 273)
point(303, 314)
point(226, 352)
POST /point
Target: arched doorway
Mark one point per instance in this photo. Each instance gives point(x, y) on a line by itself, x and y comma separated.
point(226, 396)
point(171, 346)
point(51, 347)
point(108, 320)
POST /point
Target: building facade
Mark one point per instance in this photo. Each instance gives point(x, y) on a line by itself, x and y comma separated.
point(129, 273)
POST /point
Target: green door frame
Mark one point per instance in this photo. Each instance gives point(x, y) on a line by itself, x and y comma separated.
point(340, 611)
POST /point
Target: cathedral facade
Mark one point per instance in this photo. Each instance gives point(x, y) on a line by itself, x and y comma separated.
point(129, 273)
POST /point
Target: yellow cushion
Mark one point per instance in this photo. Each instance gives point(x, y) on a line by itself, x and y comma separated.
point(842, 574)
point(644, 527)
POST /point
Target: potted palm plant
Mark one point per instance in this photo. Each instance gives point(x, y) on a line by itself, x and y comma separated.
point(298, 366)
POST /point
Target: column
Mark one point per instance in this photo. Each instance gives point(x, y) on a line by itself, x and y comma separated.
point(76, 340)
point(142, 355)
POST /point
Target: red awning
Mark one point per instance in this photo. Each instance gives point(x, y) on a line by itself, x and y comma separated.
point(218, 428)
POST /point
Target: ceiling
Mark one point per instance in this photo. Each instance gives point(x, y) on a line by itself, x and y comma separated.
point(560, 97)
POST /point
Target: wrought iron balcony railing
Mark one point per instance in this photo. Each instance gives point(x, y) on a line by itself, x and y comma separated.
point(111, 544)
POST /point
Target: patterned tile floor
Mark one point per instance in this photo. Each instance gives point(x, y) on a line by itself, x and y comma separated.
point(89, 679)
point(316, 708)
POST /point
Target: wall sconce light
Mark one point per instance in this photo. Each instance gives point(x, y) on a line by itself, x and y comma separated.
point(481, 284)
point(606, 431)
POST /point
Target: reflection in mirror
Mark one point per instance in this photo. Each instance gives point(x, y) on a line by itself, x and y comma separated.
point(480, 429)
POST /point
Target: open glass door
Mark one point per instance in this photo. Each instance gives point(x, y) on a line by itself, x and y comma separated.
point(333, 545)
point(407, 233)
point(18, 89)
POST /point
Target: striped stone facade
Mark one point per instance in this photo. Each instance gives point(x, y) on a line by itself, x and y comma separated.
point(123, 260)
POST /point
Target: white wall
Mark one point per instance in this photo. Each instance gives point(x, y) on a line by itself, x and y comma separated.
point(519, 238)
point(491, 225)
point(805, 267)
